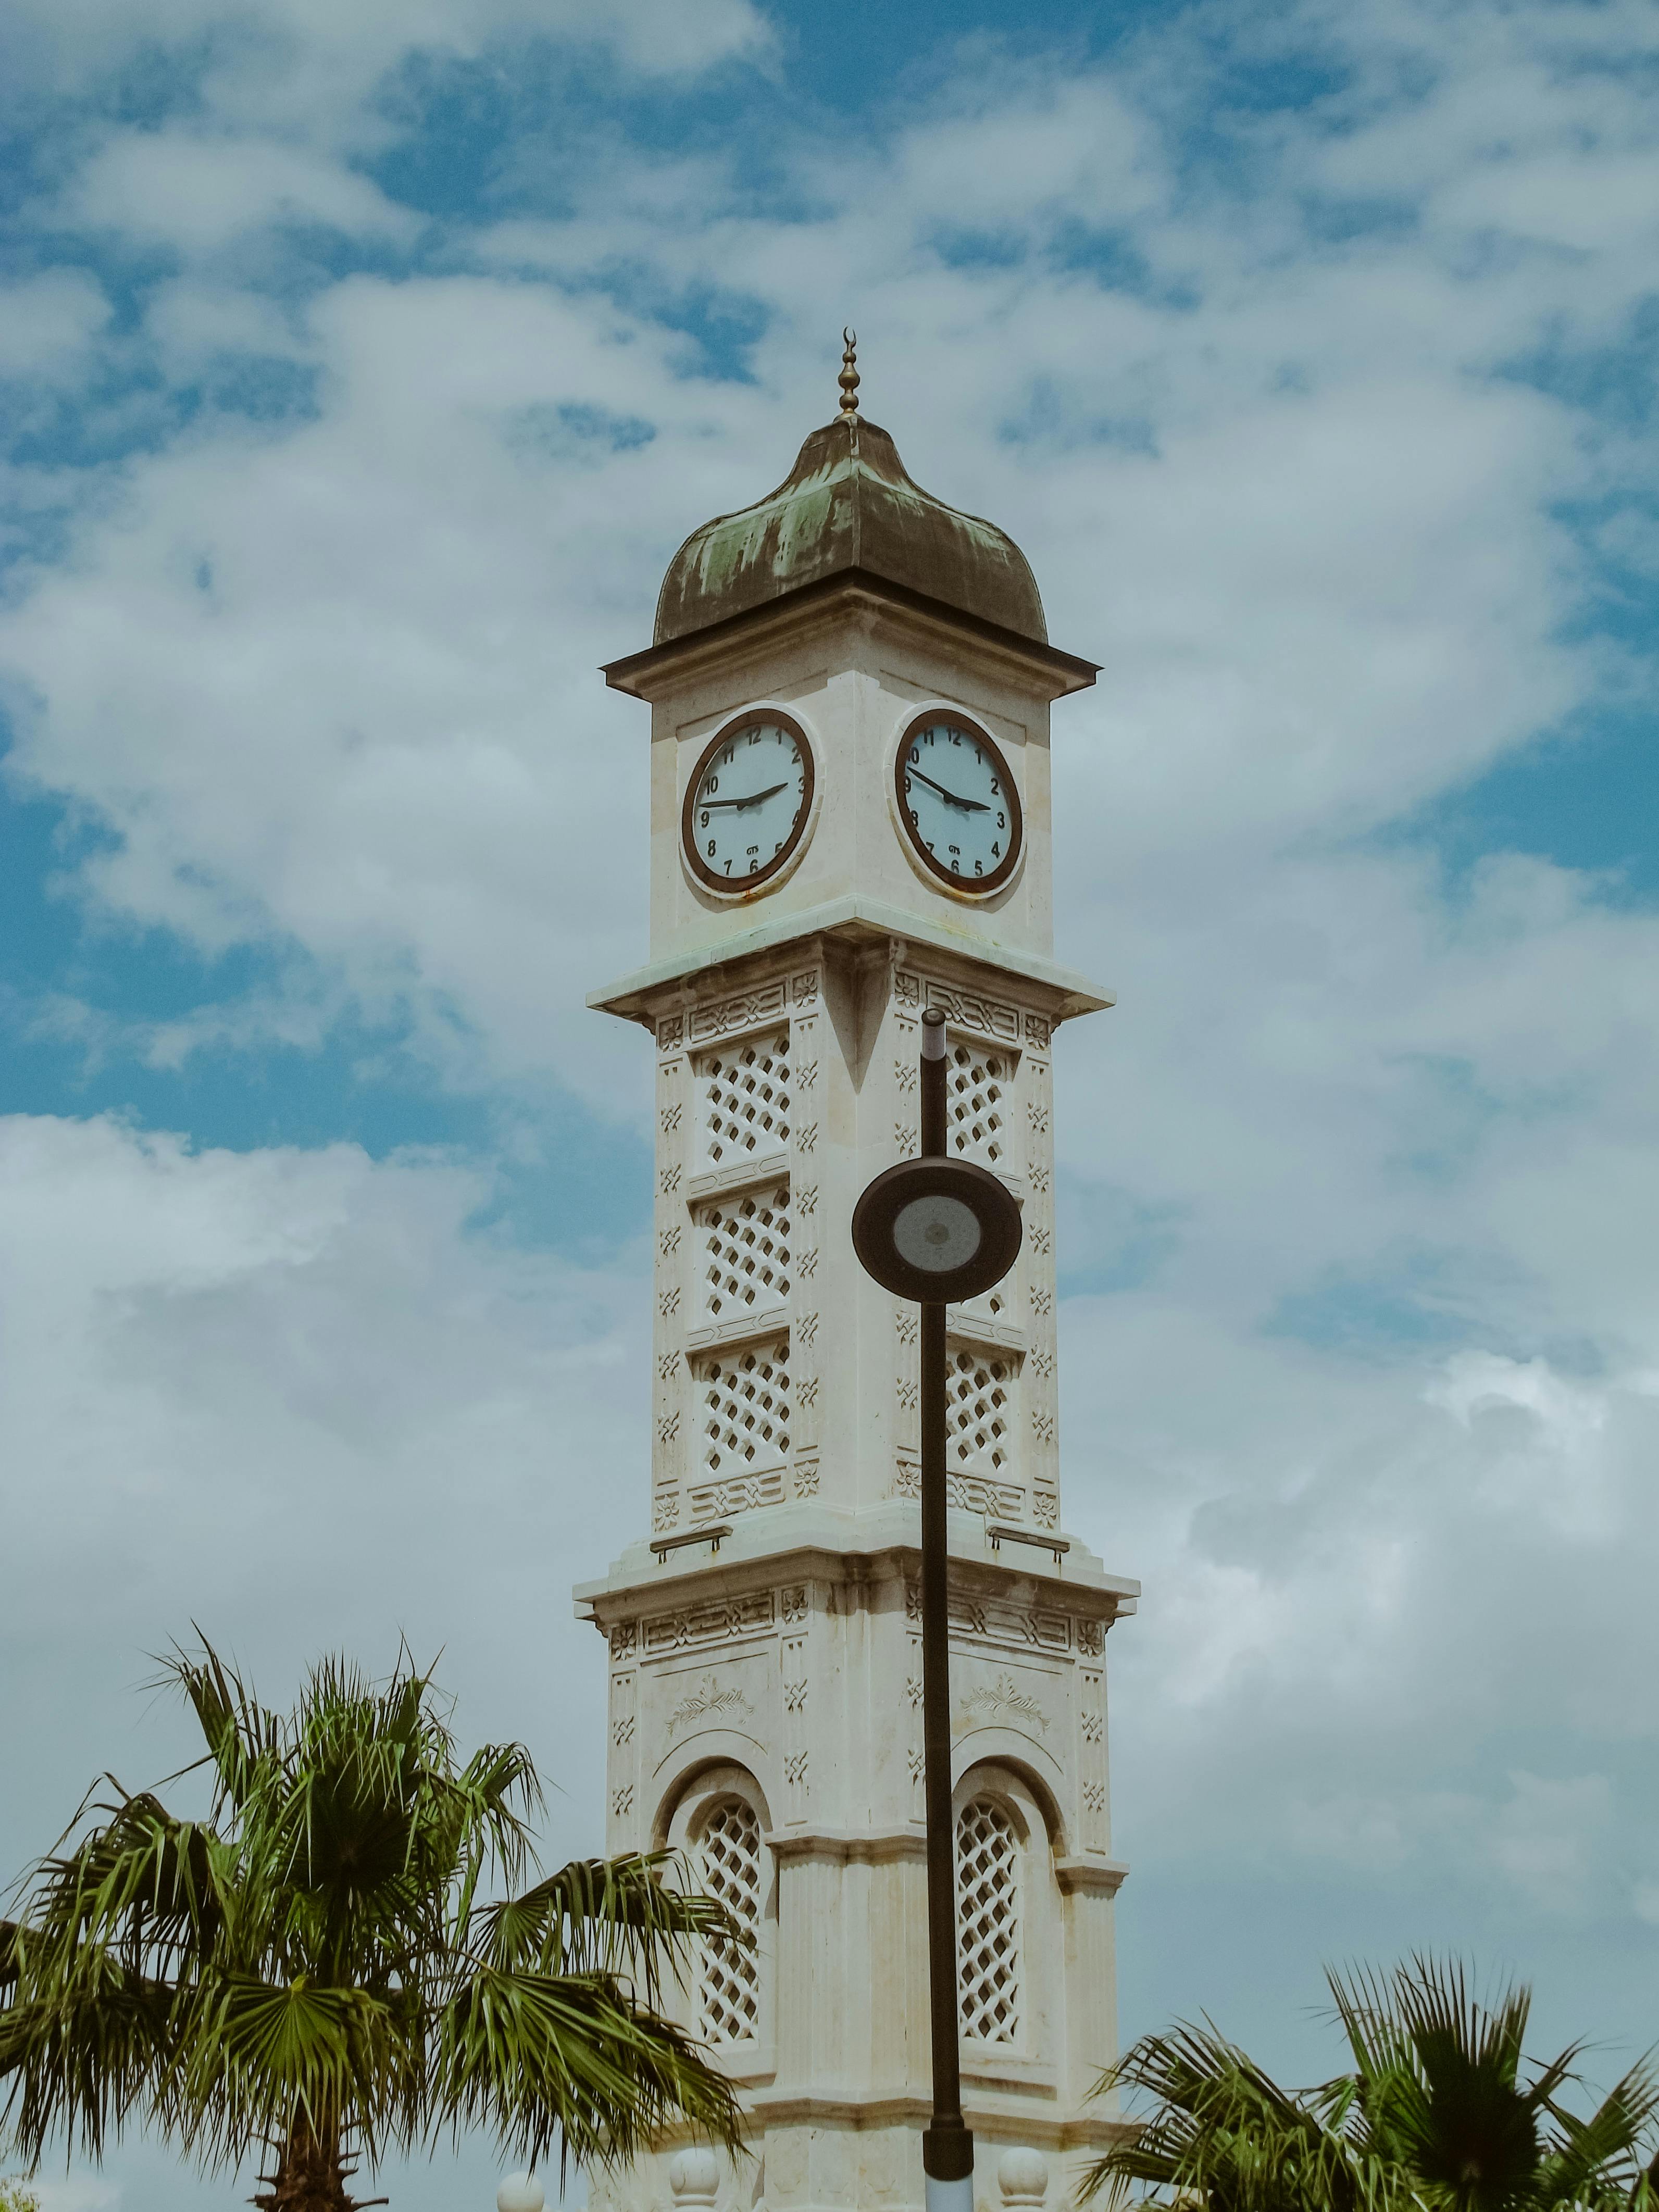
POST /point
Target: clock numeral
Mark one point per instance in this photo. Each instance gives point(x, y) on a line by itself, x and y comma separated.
point(979, 867)
point(728, 867)
point(996, 788)
point(1002, 821)
point(711, 842)
point(711, 784)
point(705, 818)
point(996, 852)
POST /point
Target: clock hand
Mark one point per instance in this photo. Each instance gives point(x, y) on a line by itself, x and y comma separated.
point(967, 805)
point(753, 800)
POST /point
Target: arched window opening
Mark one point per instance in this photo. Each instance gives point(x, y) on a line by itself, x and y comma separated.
point(988, 1921)
point(729, 1865)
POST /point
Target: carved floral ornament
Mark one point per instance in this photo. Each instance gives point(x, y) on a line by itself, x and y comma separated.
point(711, 1704)
point(1002, 1701)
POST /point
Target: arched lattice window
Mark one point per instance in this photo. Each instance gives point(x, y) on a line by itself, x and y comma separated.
point(988, 1921)
point(729, 1866)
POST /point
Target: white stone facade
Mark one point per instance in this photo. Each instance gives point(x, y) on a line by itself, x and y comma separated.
point(764, 1636)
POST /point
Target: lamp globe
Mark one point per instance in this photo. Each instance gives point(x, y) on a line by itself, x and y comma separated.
point(520, 2192)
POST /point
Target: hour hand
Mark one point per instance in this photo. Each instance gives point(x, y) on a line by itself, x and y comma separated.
point(754, 798)
point(967, 805)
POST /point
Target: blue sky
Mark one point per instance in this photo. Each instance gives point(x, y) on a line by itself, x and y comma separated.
point(361, 369)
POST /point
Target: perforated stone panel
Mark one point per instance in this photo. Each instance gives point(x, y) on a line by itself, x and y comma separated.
point(988, 1922)
point(745, 1252)
point(746, 1408)
point(979, 1411)
point(977, 1084)
point(729, 1863)
point(745, 1092)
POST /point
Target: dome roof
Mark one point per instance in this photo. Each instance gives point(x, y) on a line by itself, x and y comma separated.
point(848, 504)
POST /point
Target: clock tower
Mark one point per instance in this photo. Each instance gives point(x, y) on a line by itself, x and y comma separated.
point(849, 686)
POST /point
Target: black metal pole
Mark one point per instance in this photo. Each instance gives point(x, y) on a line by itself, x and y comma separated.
point(947, 2146)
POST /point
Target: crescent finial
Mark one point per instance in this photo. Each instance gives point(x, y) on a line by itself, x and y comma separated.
point(849, 379)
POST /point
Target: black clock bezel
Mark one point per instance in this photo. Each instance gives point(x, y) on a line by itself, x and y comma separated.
point(733, 885)
point(963, 886)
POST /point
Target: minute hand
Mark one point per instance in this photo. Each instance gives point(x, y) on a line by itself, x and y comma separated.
point(753, 800)
point(967, 805)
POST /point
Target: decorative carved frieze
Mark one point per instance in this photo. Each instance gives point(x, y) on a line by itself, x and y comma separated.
point(745, 1009)
point(713, 1622)
point(738, 1493)
point(964, 1008)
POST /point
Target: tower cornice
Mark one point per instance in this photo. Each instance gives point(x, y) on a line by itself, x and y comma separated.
point(862, 924)
point(646, 674)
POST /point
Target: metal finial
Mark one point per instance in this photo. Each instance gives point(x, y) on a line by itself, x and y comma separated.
point(849, 379)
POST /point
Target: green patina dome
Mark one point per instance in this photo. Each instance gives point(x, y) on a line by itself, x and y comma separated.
point(848, 504)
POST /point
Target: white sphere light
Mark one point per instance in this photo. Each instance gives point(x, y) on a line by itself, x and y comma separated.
point(520, 2192)
point(936, 1233)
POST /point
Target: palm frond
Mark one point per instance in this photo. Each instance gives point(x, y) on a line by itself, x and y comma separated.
point(536, 2057)
point(604, 1915)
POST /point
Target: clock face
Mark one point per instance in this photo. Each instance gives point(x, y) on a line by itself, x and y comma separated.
point(747, 804)
point(957, 802)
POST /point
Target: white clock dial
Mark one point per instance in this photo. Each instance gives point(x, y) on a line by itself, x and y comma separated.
point(747, 804)
point(957, 802)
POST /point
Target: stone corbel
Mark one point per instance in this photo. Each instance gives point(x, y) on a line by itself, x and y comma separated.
point(1088, 1877)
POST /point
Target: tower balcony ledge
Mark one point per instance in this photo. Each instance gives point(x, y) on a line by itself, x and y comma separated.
point(860, 922)
point(801, 1540)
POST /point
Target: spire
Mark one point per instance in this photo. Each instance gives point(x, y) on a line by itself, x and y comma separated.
point(848, 379)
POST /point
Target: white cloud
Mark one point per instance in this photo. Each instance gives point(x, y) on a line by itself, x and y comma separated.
point(308, 62)
point(198, 192)
point(47, 323)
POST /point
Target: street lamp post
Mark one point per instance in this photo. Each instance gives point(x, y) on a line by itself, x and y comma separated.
point(937, 1230)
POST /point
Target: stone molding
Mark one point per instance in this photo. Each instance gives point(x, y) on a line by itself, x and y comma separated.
point(851, 1846)
point(1090, 1877)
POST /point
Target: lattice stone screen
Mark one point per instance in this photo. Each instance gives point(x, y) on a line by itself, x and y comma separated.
point(746, 1408)
point(977, 1084)
point(745, 1099)
point(729, 1863)
point(988, 1922)
point(745, 1253)
point(979, 1411)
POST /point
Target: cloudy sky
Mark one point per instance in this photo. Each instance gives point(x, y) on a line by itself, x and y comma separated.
point(363, 364)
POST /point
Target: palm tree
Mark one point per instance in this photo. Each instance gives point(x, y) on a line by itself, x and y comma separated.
point(319, 1966)
point(1440, 2112)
